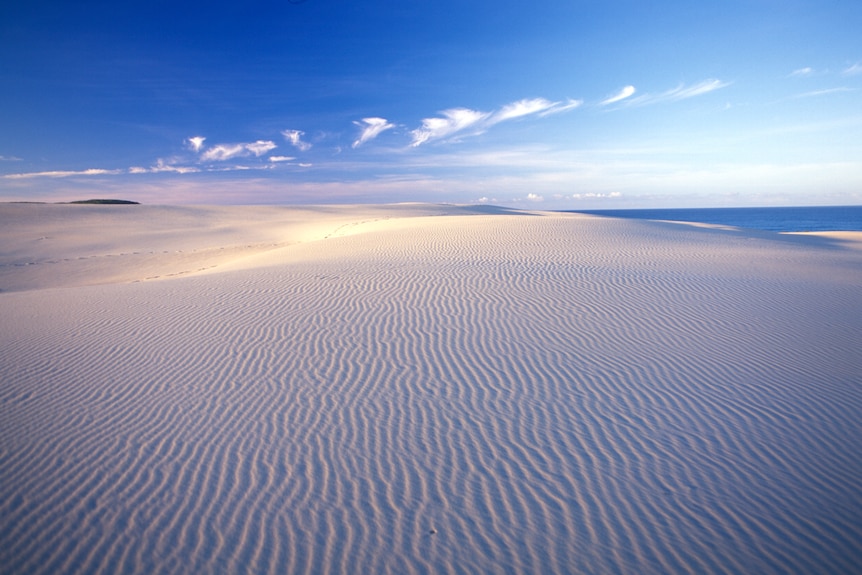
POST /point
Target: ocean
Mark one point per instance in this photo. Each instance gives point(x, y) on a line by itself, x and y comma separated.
point(776, 219)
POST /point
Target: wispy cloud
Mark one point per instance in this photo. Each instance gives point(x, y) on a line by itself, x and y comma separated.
point(457, 120)
point(163, 166)
point(222, 152)
point(295, 138)
point(681, 92)
point(520, 108)
point(195, 143)
point(62, 174)
point(9, 159)
point(239, 168)
point(453, 121)
point(593, 195)
point(852, 70)
point(281, 158)
point(801, 72)
point(371, 128)
point(559, 107)
point(824, 92)
point(626, 92)
point(261, 147)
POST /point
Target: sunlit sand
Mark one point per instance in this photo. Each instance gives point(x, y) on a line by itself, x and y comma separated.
point(424, 389)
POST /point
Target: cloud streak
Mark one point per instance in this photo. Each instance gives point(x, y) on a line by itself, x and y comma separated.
point(520, 109)
point(164, 167)
point(626, 92)
point(453, 121)
point(458, 120)
point(260, 147)
point(681, 92)
point(371, 128)
point(63, 174)
point(802, 72)
point(825, 92)
point(222, 152)
point(560, 107)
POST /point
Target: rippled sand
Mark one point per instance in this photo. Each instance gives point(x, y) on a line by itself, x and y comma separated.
point(424, 389)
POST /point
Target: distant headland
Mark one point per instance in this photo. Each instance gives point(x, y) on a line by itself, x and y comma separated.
point(99, 201)
point(92, 201)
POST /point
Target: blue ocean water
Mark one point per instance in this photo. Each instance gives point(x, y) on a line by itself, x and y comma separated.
point(783, 219)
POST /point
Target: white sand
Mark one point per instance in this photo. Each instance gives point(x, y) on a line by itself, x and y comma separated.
point(285, 390)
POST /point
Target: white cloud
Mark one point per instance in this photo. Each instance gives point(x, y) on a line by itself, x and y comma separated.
point(802, 72)
point(260, 147)
point(592, 196)
point(454, 120)
point(238, 168)
point(162, 167)
point(295, 138)
point(195, 143)
point(682, 92)
point(534, 197)
point(535, 106)
point(281, 158)
point(371, 128)
point(559, 107)
point(222, 152)
point(521, 108)
point(824, 92)
point(9, 159)
point(853, 70)
point(626, 92)
point(62, 174)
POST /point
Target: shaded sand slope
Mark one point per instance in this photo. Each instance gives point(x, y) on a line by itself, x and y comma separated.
point(547, 392)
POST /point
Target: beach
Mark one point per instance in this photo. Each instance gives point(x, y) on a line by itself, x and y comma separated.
point(416, 388)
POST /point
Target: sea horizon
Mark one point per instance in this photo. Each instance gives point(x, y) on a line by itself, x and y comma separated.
point(766, 218)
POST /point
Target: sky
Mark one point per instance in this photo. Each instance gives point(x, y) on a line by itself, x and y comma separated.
point(549, 104)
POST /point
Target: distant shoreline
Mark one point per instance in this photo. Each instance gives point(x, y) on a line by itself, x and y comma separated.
point(773, 219)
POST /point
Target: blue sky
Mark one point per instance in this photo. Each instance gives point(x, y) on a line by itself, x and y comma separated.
point(547, 104)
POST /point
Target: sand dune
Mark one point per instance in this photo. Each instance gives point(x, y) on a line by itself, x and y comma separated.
point(424, 389)
point(50, 245)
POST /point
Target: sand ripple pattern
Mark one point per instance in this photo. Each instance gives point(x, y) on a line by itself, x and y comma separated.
point(511, 394)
